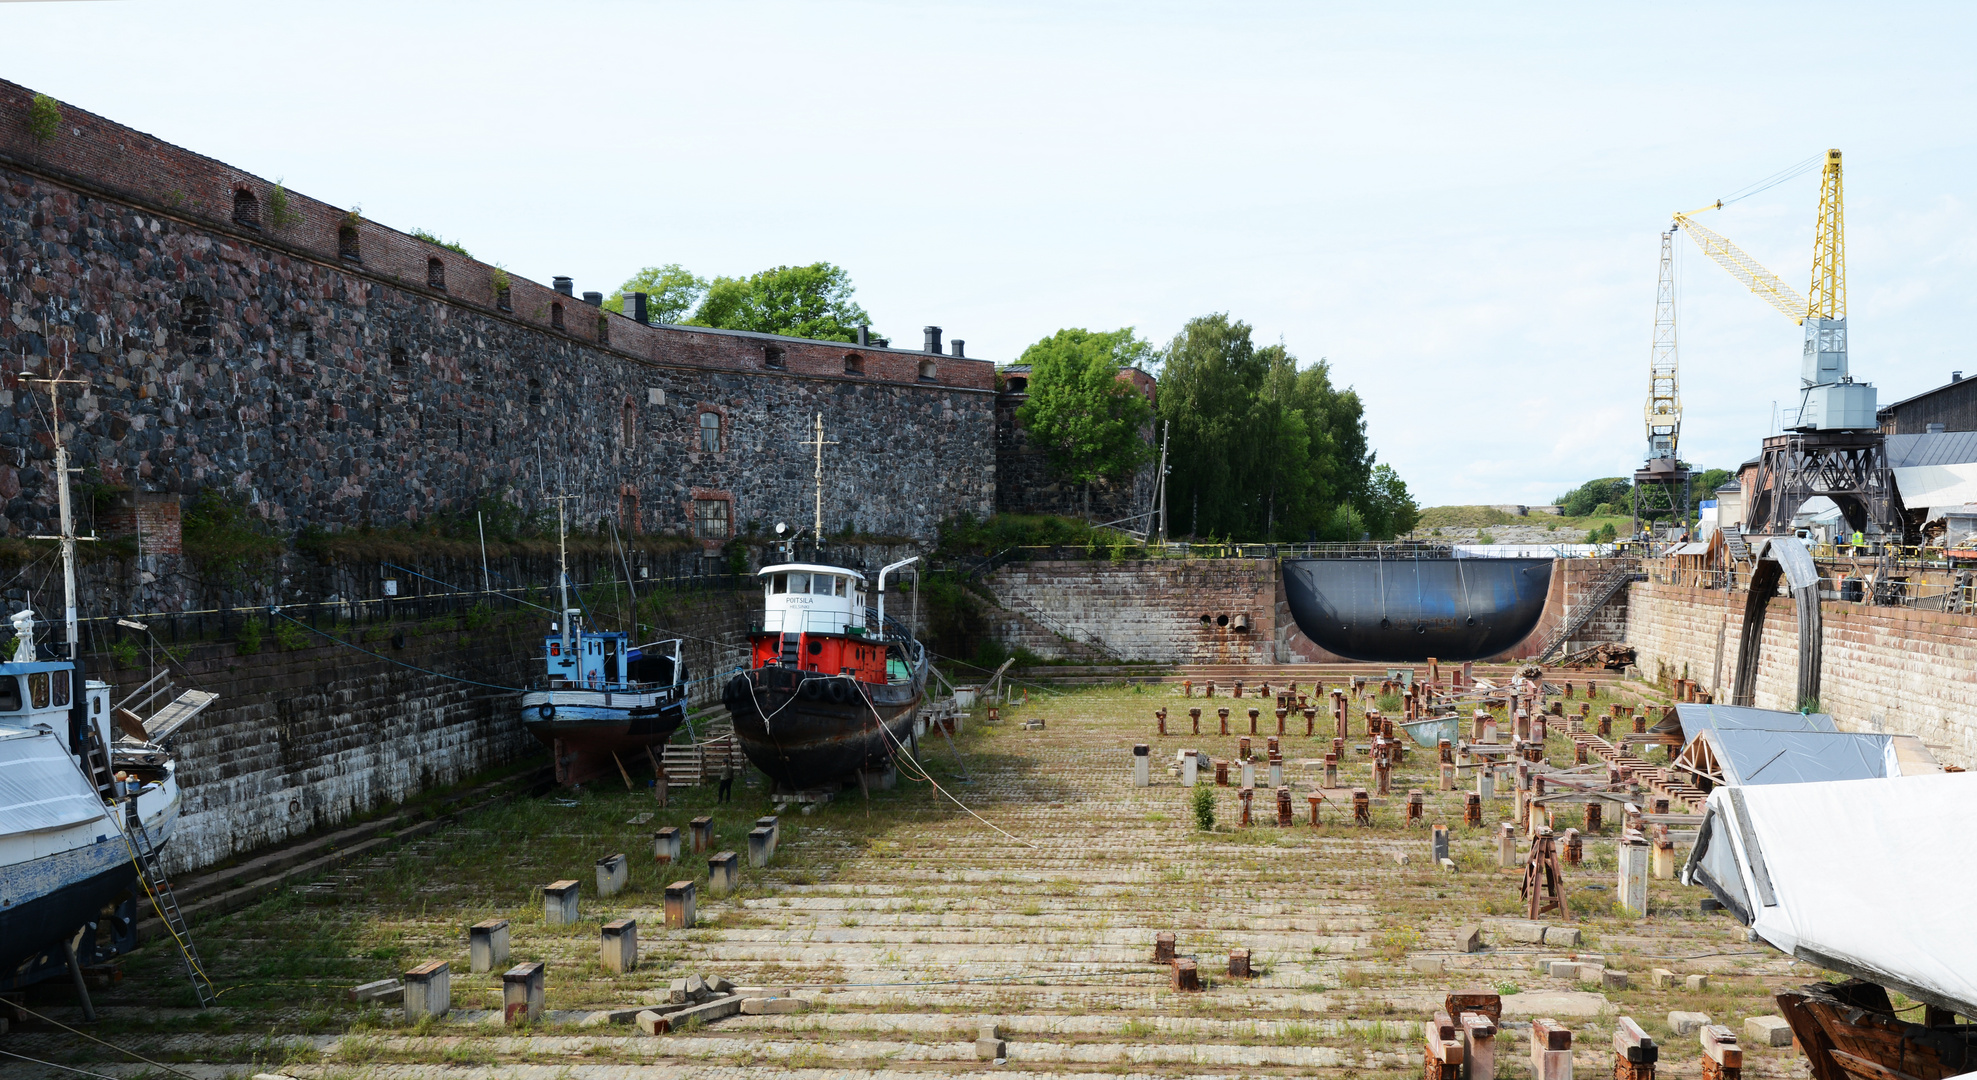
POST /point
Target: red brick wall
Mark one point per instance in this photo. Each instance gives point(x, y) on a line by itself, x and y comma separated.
point(1885, 669)
point(106, 158)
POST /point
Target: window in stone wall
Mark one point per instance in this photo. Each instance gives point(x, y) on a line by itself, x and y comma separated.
point(246, 208)
point(503, 299)
point(436, 273)
point(854, 364)
point(710, 432)
point(535, 392)
point(195, 322)
point(929, 371)
point(399, 361)
point(556, 316)
point(628, 422)
point(772, 356)
point(346, 243)
point(710, 519)
point(604, 329)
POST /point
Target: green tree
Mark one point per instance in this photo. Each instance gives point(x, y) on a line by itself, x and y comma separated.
point(798, 301)
point(670, 291)
point(1089, 422)
point(1262, 448)
point(1390, 509)
point(1589, 496)
point(1705, 483)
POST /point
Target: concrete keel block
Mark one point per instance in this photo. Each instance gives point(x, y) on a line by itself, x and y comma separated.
point(652, 1023)
point(428, 991)
point(1687, 1023)
point(1469, 938)
point(1563, 936)
point(1613, 980)
point(773, 1006)
point(612, 873)
point(760, 846)
point(679, 905)
point(723, 873)
point(1696, 982)
point(618, 947)
point(522, 989)
point(991, 1050)
point(1528, 933)
point(1427, 965)
point(1768, 1031)
point(380, 990)
point(559, 903)
point(719, 1008)
point(487, 945)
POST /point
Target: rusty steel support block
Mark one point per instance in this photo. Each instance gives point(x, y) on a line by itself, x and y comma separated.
point(1161, 716)
point(1362, 807)
point(1163, 947)
point(1472, 810)
point(1186, 978)
point(1415, 800)
point(1238, 963)
point(1223, 715)
point(1246, 794)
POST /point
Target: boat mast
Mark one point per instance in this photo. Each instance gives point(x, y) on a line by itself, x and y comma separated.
point(563, 572)
point(68, 534)
point(819, 442)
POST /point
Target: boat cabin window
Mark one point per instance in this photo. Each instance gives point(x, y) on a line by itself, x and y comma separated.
point(10, 694)
point(838, 588)
point(779, 583)
point(799, 583)
point(37, 690)
point(61, 681)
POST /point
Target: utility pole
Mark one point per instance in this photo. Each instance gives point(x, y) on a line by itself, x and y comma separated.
point(1160, 503)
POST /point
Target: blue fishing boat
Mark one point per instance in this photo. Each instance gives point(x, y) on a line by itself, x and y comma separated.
point(602, 704)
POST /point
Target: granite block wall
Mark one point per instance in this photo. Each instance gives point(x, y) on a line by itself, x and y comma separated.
point(333, 372)
point(1180, 611)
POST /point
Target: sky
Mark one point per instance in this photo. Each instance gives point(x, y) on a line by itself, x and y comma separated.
point(1457, 206)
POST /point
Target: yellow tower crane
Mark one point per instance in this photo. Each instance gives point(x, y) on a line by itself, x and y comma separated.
point(1829, 398)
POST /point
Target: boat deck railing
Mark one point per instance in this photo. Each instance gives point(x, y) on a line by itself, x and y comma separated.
point(1396, 549)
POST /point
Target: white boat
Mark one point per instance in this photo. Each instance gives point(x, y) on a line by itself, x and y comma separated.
point(84, 810)
point(68, 846)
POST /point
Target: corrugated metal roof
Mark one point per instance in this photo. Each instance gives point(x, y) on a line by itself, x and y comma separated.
point(1696, 719)
point(1938, 448)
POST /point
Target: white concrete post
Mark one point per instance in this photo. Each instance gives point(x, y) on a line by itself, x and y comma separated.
point(1631, 887)
point(1141, 765)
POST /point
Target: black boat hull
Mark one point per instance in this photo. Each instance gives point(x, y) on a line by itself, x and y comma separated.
point(807, 730)
point(1406, 610)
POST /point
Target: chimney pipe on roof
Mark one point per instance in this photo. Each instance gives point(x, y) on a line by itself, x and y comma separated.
point(959, 347)
point(635, 307)
point(864, 335)
point(1956, 376)
point(1935, 429)
point(933, 339)
point(594, 299)
point(564, 286)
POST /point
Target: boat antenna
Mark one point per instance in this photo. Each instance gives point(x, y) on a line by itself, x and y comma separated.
point(68, 535)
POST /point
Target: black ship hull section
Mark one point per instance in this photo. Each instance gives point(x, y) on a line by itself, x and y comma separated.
point(807, 730)
point(46, 921)
point(1407, 610)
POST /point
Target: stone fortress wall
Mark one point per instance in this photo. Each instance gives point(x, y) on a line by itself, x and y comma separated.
point(333, 371)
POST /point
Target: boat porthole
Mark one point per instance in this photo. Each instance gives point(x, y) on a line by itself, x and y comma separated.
point(1421, 628)
point(546, 710)
point(1386, 624)
point(1472, 620)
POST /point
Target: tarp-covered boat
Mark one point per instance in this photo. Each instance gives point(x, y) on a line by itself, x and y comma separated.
point(1407, 609)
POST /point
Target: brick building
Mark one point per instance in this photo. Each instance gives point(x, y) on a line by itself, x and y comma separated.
point(334, 371)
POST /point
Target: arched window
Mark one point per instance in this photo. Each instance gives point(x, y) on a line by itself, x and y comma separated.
point(346, 243)
point(710, 432)
point(399, 362)
point(535, 391)
point(854, 364)
point(556, 316)
point(628, 418)
point(929, 371)
point(246, 208)
point(436, 273)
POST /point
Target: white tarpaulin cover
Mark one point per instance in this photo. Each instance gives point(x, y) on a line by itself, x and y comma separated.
point(40, 787)
point(1937, 485)
point(1872, 878)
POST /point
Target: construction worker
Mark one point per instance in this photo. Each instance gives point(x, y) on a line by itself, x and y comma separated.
point(1859, 543)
